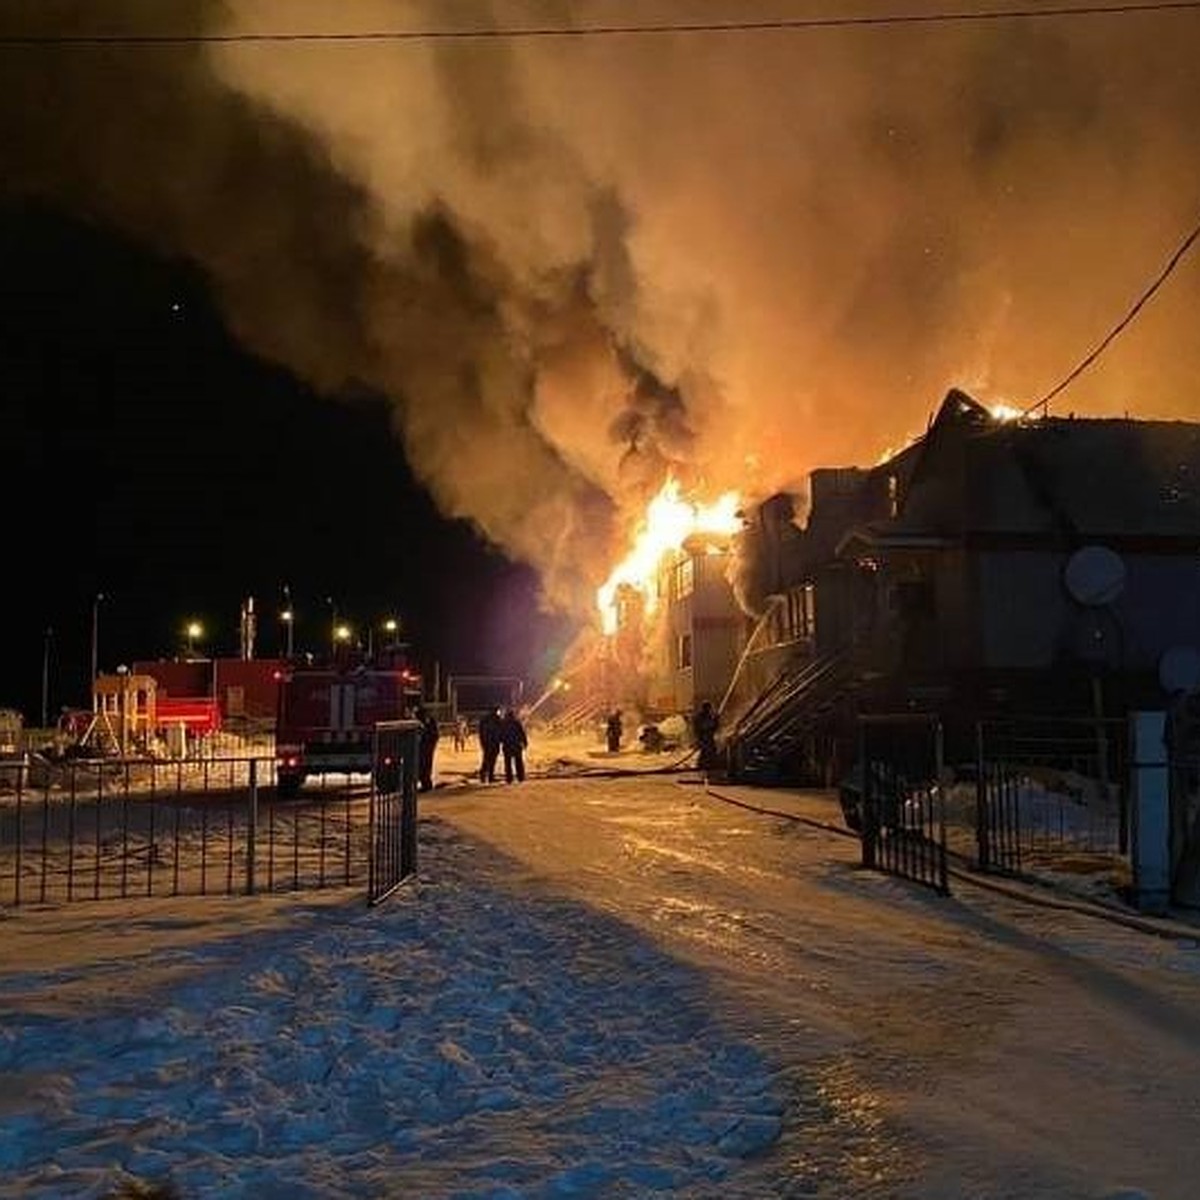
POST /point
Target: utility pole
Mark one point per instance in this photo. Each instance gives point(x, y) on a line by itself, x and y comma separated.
point(46, 678)
point(95, 640)
point(288, 617)
point(333, 624)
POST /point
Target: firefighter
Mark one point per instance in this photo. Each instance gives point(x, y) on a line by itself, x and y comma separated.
point(513, 741)
point(613, 730)
point(489, 741)
point(704, 726)
point(428, 744)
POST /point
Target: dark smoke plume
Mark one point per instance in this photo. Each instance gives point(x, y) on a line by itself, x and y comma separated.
point(575, 266)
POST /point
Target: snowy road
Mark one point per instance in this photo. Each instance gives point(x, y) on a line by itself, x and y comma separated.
point(606, 988)
point(970, 1046)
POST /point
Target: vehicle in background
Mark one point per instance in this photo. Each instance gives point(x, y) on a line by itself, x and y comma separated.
point(327, 716)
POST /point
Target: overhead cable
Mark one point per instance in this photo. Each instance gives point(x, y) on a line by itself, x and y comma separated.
point(630, 29)
point(1094, 354)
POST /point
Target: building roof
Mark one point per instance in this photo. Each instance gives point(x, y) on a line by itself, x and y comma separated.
point(1071, 476)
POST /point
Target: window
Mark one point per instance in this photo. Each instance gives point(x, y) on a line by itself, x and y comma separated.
point(684, 651)
point(795, 618)
point(684, 578)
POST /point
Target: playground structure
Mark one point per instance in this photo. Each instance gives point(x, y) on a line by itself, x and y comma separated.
point(124, 715)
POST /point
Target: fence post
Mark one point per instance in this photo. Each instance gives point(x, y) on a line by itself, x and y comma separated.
point(252, 827)
point(869, 802)
point(1150, 789)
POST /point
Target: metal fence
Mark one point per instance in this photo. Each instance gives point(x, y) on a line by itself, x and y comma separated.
point(393, 814)
point(117, 829)
point(1051, 791)
point(903, 810)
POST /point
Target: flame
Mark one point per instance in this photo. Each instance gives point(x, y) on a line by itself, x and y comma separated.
point(998, 412)
point(669, 522)
point(1005, 412)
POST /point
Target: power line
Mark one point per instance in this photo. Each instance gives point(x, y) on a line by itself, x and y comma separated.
point(515, 32)
point(1091, 357)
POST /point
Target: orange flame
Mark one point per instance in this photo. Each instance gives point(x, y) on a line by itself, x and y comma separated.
point(1005, 412)
point(669, 522)
point(998, 412)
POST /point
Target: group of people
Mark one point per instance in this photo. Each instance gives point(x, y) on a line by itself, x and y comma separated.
point(502, 733)
point(498, 732)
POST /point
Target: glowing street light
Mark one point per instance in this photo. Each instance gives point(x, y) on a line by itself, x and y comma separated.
point(342, 634)
point(288, 617)
point(193, 630)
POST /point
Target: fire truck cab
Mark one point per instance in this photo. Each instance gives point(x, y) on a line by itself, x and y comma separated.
point(327, 715)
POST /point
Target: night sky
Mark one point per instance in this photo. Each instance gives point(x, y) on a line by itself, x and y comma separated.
point(290, 298)
point(149, 458)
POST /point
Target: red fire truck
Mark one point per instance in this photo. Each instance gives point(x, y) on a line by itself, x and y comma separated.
point(327, 716)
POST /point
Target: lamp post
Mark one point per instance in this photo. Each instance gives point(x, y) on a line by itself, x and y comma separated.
point(46, 678)
point(288, 618)
point(95, 639)
point(193, 630)
point(333, 623)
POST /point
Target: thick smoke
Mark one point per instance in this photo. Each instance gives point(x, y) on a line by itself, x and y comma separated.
point(578, 264)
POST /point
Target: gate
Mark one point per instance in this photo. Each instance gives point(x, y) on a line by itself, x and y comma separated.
point(1051, 790)
point(393, 816)
point(903, 809)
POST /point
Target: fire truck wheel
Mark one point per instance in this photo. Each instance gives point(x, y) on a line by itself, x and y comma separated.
point(287, 786)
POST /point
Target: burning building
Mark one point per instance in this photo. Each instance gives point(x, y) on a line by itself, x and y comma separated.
point(670, 627)
point(993, 566)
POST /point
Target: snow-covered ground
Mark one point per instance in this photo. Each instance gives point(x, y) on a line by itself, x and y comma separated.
point(603, 986)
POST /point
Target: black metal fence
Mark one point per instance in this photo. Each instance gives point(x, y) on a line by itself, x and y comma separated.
point(117, 829)
point(1051, 790)
point(393, 813)
point(903, 820)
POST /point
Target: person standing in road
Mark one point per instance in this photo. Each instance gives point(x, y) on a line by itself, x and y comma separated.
point(428, 744)
point(613, 729)
point(513, 741)
point(461, 732)
point(704, 727)
point(489, 741)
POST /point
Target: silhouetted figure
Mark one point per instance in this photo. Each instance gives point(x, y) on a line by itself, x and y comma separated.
point(513, 742)
point(704, 726)
point(427, 745)
point(489, 742)
point(613, 730)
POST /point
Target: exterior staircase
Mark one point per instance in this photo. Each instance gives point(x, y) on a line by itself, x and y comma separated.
point(767, 743)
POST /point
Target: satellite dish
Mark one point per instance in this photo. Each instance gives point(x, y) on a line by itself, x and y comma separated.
point(1094, 575)
point(1179, 670)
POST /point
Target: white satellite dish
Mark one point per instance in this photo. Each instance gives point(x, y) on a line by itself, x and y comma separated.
point(1179, 670)
point(1094, 575)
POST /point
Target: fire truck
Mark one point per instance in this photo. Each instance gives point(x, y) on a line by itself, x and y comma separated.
point(327, 715)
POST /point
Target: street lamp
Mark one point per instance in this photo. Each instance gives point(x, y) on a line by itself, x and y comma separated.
point(341, 634)
point(46, 678)
point(289, 619)
point(391, 627)
point(95, 638)
point(193, 630)
point(333, 621)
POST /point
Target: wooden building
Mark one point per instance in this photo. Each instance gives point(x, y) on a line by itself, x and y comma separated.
point(992, 567)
